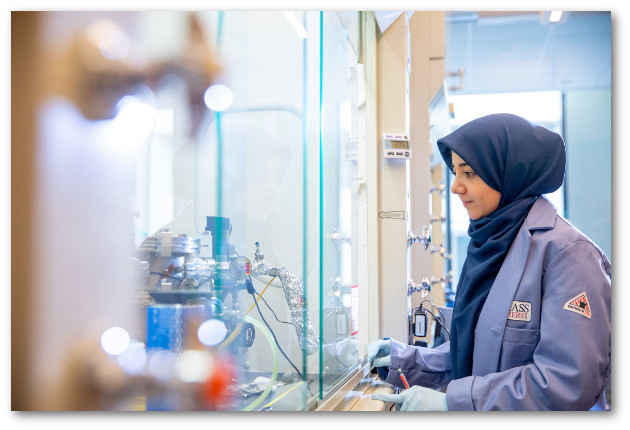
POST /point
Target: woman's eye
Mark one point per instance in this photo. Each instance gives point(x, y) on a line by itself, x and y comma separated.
point(467, 174)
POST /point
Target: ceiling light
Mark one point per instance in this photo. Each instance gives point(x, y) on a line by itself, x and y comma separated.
point(555, 16)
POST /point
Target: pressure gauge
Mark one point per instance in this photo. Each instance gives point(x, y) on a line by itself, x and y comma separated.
point(396, 146)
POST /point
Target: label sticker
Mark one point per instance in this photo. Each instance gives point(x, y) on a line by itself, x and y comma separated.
point(579, 304)
point(520, 311)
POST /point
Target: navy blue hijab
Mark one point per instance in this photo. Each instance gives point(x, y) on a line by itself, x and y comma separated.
point(521, 161)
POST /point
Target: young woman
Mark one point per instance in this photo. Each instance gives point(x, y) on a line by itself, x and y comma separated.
point(531, 321)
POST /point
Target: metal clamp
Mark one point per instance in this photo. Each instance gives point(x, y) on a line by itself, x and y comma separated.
point(441, 250)
point(439, 188)
point(424, 238)
point(424, 287)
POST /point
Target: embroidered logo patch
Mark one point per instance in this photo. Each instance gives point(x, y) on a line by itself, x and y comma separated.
point(579, 304)
point(520, 311)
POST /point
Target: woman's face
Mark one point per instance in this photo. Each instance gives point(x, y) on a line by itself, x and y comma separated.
point(479, 198)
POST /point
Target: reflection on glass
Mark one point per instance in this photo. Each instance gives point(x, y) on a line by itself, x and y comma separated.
point(338, 202)
point(241, 129)
point(241, 209)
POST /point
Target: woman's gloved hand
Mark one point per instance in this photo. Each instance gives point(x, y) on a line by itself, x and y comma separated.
point(416, 398)
point(380, 352)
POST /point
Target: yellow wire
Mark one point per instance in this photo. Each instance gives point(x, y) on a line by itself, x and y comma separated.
point(256, 301)
point(283, 394)
point(260, 295)
point(239, 327)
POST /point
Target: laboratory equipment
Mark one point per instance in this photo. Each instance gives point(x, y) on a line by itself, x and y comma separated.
point(419, 323)
point(424, 238)
point(291, 286)
point(423, 287)
point(441, 250)
point(193, 281)
point(439, 188)
point(396, 146)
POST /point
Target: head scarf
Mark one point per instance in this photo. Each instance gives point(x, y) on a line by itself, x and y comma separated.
point(521, 161)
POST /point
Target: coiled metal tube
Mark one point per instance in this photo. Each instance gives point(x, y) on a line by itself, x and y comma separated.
point(307, 338)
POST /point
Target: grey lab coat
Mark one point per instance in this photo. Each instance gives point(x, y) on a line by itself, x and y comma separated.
point(535, 347)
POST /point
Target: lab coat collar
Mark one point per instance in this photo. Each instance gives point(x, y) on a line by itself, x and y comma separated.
point(542, 215)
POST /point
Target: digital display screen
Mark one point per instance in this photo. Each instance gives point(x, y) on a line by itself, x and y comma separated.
point(396, 146)
point(400, 144)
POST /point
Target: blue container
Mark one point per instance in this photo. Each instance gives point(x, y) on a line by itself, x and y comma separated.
point(168, 323)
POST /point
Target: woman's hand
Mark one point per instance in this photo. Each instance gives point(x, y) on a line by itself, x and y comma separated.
point(416, 398)
point(380, 351)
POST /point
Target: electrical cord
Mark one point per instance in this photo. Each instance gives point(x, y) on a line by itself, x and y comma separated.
point(252, 291)
point(438, 321)
point(394, 404)
point(274, 314)
point(260, 295)
point(167, 276)
point(441, 323)
point(438, 309)
point(274, 373)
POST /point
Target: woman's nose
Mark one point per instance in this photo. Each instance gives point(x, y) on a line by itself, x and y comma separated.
point(457, 187)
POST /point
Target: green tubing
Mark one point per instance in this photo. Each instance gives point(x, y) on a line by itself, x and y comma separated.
point(274, 351)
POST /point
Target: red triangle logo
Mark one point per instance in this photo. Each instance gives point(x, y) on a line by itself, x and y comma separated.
point(579, 304)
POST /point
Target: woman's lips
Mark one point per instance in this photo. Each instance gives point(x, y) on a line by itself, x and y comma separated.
point(466, 204)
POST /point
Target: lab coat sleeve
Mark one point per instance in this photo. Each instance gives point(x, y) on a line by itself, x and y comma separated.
point(570, 367)
point(428, 367)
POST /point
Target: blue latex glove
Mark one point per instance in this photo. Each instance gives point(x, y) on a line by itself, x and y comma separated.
point(380, 351)
point(416, 398)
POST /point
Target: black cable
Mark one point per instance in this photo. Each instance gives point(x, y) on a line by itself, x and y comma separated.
point(274, 335)
point(274, 314)
point(438, 309)
point(394, 404)
point(277, 343)
point(252, 290)
point(439, 322)
point(167, 276)
point(443, 322)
